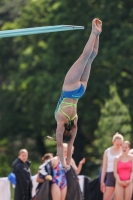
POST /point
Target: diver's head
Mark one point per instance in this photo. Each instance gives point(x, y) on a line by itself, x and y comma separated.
point(68, 131)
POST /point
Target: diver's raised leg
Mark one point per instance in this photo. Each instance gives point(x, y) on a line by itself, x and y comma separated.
point(86, 72)
point(73, 77)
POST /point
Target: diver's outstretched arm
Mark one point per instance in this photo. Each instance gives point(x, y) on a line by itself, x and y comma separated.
point(70, 145)
point(59, 138)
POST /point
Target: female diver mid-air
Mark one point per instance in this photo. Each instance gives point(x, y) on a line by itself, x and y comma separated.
point(74, 86)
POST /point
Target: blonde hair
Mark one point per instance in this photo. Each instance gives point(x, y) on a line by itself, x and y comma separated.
point(22, 151)
point(65, 145)
point(128, 143)
point(117, 136)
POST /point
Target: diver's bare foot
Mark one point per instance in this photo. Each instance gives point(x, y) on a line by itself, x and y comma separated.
point(97, 26)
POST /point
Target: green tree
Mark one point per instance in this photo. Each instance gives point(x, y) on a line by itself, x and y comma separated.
point(10, 10)
point(115, 117)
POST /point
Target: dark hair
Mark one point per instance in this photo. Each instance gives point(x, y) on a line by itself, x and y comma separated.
point(68, 131)
point(47, 156)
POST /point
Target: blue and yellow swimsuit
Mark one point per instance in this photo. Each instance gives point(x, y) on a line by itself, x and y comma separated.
point(75, 94)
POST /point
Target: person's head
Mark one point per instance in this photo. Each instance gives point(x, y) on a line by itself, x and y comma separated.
point(131, 151)
point(65, 149)
point(72, 149)
point(47, 157)
point(68, 131)
point(126, 147)
point(23, 155)
point(117, 140)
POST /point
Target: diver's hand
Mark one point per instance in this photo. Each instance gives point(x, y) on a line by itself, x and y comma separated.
point(66, 167)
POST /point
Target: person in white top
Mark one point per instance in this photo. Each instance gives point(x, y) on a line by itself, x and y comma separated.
point(107, 177)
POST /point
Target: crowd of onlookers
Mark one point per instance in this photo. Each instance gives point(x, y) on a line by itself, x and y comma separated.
point(51, 171)
point(55, 183)
point(117, 170)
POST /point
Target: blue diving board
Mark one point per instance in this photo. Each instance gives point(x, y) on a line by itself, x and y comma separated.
point(38, 30)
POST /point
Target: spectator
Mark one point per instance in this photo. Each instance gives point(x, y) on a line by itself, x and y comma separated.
point(21, 169)
point(108, 186)
point(75, 167)
point(80, 165)
point(123, 172)
point(58, 179)
point(40, 179)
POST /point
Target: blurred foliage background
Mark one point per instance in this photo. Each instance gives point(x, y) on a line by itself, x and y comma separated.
point(32, 70)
